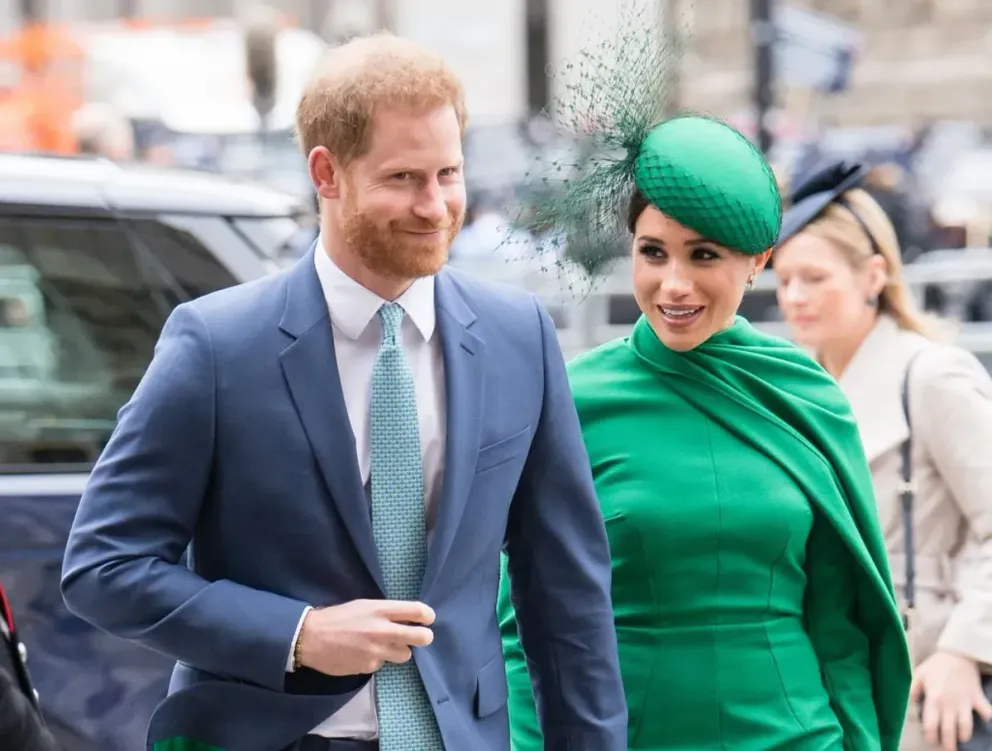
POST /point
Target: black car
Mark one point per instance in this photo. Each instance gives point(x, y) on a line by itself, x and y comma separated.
point(93, 257)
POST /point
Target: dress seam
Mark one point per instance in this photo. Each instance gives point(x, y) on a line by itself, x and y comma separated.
point(714, 630)
point(635, 731)
point(768, 639)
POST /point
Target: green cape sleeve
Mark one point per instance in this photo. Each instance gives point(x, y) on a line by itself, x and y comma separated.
point(773, 396)
point(525, 729)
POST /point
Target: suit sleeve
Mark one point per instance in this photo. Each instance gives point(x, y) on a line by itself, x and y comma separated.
point(955, 426)
point(122, 570)
point(558, 561)
point(841, 645)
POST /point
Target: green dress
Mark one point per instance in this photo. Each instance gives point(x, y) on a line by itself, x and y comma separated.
point(752, 600)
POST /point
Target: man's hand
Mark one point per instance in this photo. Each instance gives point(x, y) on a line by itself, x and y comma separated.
point(951, 689)
point(360, 636)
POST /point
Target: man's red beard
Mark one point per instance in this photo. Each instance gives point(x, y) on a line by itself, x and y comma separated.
point(393, 251)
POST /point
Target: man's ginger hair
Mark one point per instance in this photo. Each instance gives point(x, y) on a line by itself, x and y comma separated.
point(363, 75)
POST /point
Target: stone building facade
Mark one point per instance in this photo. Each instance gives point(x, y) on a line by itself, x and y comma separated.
point(921, 60)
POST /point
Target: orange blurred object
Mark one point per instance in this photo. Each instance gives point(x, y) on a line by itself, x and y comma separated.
point(43, 74)
point(41, 85)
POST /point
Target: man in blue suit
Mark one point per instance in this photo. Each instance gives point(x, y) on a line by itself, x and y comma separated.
point(344, 450)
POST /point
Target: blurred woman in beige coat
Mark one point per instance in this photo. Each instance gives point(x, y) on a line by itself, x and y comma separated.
point(842, 293)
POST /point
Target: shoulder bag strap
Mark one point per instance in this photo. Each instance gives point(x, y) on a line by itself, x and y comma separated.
point(907, 491)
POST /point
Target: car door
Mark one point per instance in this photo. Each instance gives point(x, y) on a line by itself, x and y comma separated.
point(82, 302)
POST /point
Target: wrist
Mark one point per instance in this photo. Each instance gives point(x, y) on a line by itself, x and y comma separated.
point(298, 646)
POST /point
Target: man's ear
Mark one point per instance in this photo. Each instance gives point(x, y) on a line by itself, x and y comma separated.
point(325, 172)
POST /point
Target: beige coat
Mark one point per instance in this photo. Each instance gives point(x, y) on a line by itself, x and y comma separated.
point(951, 411)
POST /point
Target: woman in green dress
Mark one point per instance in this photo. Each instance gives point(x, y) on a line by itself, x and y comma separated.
point(753, 602)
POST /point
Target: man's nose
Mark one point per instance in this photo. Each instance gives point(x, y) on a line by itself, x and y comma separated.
point(430, 203)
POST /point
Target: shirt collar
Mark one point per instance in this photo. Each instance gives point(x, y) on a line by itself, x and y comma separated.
point(352, 307)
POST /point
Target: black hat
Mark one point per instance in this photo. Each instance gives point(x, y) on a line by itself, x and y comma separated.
point(818, 191)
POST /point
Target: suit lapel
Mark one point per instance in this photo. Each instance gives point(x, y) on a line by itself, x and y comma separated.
point(310, 368)
point(464, 367)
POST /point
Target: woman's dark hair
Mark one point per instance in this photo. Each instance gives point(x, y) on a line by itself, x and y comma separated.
point(635, 208)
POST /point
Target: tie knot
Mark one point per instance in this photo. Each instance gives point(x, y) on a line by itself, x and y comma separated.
point(391, 315)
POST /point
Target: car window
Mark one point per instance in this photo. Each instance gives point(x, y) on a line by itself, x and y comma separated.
point(283, 239)
point(82, 307)
point(181, 256)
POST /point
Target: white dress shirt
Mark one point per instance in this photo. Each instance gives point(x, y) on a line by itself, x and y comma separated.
point(357, 336)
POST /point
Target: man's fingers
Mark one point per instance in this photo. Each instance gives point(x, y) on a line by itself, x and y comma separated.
point(403, 611)
point(412, 636)
point(396, 653)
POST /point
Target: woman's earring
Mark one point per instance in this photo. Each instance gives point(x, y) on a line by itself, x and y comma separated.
point(872, 301)
point(750, 283)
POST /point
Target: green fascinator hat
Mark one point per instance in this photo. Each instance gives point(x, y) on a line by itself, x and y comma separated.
point(708, 177)
point(618, 130)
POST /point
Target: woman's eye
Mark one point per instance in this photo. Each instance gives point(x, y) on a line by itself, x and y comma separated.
point(652, 251)
point(704, 254)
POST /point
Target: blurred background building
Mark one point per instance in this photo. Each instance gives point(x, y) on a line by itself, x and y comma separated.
point(918, 60)
point(906, 86)
point(921, 59)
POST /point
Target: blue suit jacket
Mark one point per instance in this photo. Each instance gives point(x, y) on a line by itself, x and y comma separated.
point(237, 446)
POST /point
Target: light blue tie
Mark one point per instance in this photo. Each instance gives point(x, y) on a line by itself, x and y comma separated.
point(406, 720)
